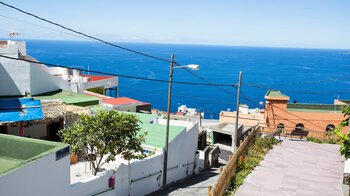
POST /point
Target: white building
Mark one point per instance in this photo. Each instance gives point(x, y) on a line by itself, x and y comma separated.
point(19, 78)
point(46, 176)
point(33, 167)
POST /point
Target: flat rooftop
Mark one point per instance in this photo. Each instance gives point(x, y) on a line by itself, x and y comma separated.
point(69, 97)
point(275, 93)
point(16, 152)
point(323, 108)
point(123, 101)
point(155, 132)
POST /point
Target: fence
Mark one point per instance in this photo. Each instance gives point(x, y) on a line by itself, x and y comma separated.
point(227, 172)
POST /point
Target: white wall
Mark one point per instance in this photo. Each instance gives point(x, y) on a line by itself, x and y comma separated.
point(15, 77)
point(144, 168)
point(182, 151)
point(42, 81)
point(44, 176)
point(94, 185)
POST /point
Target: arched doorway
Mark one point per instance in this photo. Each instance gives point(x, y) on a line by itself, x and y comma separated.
point(330, 128)
point(280, 126)
point(299, 126)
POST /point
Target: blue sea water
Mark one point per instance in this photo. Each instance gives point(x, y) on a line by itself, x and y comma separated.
point(286, 69)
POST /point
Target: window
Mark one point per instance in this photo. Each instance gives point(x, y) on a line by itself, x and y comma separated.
point(299, 126)
point(330, 128)
point(280, 126)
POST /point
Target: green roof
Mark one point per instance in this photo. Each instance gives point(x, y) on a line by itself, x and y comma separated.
point(155, 132)
point(69, 97)
point(303, 107)
point(16, 152)
point(275, 93)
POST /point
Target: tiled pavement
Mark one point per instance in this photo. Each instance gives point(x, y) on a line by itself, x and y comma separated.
point(297, 168)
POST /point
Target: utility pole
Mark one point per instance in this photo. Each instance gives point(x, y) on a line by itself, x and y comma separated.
point(165, 162)
point(234, 136)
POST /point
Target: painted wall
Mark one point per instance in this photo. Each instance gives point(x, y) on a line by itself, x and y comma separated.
point(94, 185)
point(315, 122)
point(37, 76)
point(44, 176)
point(15, 77)
point(244, 119)
point(146, 174)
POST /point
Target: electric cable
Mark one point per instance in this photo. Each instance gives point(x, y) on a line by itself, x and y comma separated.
point(108, 43)
point(112, 74)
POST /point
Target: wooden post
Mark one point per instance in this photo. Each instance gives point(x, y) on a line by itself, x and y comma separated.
point(209, 190)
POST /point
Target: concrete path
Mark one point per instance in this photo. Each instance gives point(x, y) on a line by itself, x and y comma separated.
point(297, 168)
point(196, 185)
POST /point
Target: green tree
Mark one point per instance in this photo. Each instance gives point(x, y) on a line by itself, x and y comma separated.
point(101, 137)
point(345, 143)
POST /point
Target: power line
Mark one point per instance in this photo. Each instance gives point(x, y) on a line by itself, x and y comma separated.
point(108, 43)
point(341, 77)
point(29, 23)
point(249, 99)
point(201, 78)
point(112, 74)
point(207, 99)
point(85, 35)
point(302, 92)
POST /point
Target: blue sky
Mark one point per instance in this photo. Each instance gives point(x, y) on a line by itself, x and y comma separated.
point(277, 23)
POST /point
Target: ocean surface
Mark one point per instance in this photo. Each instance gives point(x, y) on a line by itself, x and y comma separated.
point(306, 75)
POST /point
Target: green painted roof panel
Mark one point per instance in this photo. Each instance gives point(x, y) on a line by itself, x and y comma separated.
point(303, 107)
point(274, 93)
point(155, 132)
point(69, 97)
point(18, 151)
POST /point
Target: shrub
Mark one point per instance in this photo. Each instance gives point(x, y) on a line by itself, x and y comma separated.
point(246, 164)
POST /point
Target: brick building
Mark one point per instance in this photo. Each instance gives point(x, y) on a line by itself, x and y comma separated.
point(318, 119)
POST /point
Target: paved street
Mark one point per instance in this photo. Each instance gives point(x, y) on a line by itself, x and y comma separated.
point(297, 168)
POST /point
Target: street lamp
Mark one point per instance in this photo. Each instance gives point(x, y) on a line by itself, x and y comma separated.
point(165, 163)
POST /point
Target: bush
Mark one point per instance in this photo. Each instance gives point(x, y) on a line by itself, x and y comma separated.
point(330, 138)
point(246, 164)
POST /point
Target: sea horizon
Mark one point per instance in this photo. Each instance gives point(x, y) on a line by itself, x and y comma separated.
point(218, 64)
point(182, 44)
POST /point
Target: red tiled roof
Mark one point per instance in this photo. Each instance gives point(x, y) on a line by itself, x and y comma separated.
point(123, 101)
point(97, 78)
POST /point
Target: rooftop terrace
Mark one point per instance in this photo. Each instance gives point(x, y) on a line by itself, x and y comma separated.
point(16, 152)
point(155, 132)
point(69, 97)
point(325, 108)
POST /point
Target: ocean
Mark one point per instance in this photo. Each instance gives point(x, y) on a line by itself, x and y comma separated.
point(306, 75)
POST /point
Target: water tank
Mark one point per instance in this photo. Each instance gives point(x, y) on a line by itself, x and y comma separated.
point(76, 72)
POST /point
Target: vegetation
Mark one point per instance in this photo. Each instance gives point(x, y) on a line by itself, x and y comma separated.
point(246, 164)
point(344, 138)
point(100, 138)
point(330, 138)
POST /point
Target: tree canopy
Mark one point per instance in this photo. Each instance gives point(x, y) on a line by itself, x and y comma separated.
point(345, 142)
point(101, 137)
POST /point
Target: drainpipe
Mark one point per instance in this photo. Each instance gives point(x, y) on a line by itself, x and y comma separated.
point(21, 129)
